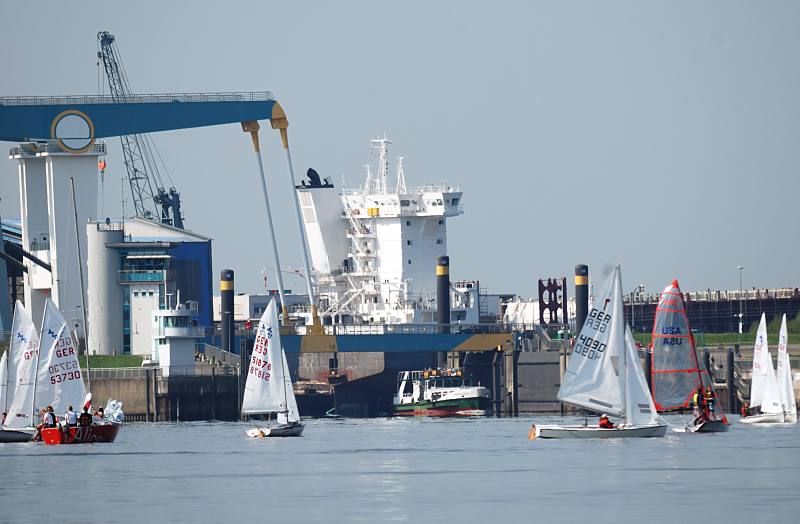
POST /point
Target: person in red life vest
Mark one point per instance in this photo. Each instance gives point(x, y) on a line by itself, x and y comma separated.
point(605, 423)
point(745, 411)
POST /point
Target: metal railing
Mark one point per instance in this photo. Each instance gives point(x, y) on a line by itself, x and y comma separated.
point(244, 96)
point(200, 370)
point(33, 148)
point(412, 329)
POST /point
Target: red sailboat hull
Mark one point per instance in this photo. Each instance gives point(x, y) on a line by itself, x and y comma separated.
point(80, 435)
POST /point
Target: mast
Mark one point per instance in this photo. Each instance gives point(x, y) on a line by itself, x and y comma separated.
point(624, 381)
point(83, 291)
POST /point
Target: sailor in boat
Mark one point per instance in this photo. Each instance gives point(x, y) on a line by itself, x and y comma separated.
point(605, 422)
point(710, 398)
point(49, 420)
point(85, 420)
point(70, 418)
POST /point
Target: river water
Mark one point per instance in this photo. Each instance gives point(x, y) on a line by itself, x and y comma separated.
point(404, 470)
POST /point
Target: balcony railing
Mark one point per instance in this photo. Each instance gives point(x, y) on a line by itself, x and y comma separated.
point(156, 275)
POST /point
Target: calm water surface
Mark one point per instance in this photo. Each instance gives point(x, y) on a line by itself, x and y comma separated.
point(404, 470)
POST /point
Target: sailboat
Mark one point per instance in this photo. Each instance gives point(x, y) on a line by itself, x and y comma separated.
point(269, 388)
point(604, 375)
point(20, 363)
point(764, 387)
point(676, 369)
point(59, 383)
point(784, 379)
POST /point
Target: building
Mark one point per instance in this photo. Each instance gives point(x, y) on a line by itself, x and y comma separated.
point(247, 306)
point(137, 266)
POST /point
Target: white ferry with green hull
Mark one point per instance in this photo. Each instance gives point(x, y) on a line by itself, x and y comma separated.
point(439, 393)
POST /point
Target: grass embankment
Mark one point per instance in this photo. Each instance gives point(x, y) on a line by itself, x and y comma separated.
point(729, 339)
point(112, 361)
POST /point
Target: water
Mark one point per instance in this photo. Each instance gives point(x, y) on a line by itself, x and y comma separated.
point(404, 470)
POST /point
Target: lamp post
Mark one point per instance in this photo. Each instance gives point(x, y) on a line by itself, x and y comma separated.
point(741, 314)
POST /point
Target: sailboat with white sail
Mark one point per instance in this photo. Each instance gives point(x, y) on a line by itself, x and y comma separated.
point(21, 362)
point(59, 383)
point(604, 375)
point(784, 378)
point(268, 389)
point(764, 386)
point(677, 372)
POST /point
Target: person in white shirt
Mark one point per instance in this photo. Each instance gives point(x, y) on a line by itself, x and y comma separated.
point(70, 418)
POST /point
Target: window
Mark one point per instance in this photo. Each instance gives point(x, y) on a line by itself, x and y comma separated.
point(409, 242)
point(439, 241)
point(136, 293)
point(409, 261)
point(150, 293)
point(408, 222)
point(455, 201)
point(441, 221)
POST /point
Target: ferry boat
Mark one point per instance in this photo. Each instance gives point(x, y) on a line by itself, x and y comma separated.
point(439, 393)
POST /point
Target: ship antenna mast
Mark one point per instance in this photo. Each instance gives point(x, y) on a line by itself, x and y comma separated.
point(401, 177)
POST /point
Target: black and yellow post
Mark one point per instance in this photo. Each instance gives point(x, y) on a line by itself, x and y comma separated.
point(226, 308)
point(581, 295)
point(443, 300)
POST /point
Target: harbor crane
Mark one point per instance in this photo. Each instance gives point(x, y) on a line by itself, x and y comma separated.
point(150, 197)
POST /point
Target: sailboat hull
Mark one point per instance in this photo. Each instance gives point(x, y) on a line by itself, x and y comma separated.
point(10, 435)
point(81, 435)
point(764, 418)
point(709, 426)
point(585, 432)
point(291, 430)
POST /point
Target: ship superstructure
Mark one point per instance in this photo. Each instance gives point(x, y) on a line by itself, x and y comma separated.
point(374, 248)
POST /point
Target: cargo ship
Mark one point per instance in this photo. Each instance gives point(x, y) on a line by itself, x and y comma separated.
point(439, 393)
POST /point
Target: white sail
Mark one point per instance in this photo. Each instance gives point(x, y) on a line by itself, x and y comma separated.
point(23, 353)
point(264, 391)
point(4, 383)
point(784, 379)
point(592, 378)
point(639, 406)
point(59, 382)
point(292, 415)
point(764, 388)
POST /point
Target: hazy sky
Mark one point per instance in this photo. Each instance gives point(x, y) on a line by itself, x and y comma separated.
point(659, 135)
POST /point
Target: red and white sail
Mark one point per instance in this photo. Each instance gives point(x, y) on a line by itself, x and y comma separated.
point(59, 380)
point(265, 390)
point(676, 369)
point(764, 387)
point(23, 354)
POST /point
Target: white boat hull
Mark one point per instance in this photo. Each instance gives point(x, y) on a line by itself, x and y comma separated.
point(581, 432)
point(292, 430)
point(769, 418)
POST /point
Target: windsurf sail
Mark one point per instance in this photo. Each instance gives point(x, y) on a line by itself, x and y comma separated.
point(676, 369)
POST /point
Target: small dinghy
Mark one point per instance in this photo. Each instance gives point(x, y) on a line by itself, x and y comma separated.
point(604, 375)
point(269, 387)
point(678, 376)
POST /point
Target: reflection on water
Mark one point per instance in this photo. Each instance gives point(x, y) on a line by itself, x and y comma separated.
point(405, 470)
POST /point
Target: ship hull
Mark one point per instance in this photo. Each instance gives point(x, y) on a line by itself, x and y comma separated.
point(10, 435)
point(463, 407)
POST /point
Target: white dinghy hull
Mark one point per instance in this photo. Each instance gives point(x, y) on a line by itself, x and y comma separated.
point(582, 432)
point(765, 418)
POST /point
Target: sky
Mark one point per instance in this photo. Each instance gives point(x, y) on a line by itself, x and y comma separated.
point(662, 136)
